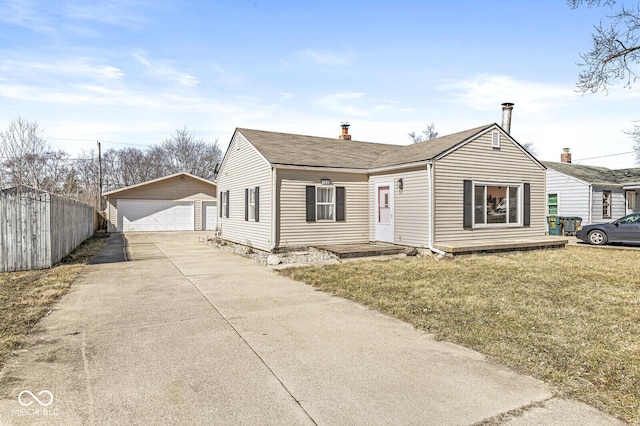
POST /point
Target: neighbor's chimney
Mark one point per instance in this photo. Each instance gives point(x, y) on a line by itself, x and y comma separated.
point(345, 132)
point(507, 107)
point(565, 157)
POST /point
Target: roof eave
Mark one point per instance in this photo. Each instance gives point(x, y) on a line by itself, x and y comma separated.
point(149, 182)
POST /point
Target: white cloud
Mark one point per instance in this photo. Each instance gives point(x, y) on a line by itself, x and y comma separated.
point(110, 12)
point(325, 57)
point(74, 67)
point(285, 96)
point(23, 13)
point(163, 69)
point(344, 103)
point(484, 92)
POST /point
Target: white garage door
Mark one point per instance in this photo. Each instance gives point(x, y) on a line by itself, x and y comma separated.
point(209, 215)
point(150, 216)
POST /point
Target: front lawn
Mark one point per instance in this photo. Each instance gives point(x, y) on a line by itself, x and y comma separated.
point(569, 317)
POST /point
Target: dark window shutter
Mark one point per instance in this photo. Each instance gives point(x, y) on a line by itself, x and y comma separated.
point(311, 203)
point(467, 221)
point(226, 213)
point(246, 204)
point(527, 205)
point(221, 204)
point(257, 204)
point(340, 191)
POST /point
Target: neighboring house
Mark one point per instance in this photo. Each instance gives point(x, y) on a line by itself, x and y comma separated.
point(596, 194)
point(179, 202)
point(280, 191)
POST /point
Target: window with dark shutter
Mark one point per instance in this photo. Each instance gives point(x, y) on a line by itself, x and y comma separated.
point(226, 209)
point(526, 220)
point(221, 203)
point(311, 203)
point(340, 200)
point(467, 221)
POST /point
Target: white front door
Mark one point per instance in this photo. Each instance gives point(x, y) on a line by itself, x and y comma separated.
point(384, 212)
point(631, 202)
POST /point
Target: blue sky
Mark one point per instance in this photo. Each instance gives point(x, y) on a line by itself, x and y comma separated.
point(130, 72)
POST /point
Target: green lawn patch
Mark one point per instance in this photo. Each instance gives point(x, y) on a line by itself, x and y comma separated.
point(569, 317)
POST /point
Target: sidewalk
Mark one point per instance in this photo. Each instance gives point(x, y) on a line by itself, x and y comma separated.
point(184, 333)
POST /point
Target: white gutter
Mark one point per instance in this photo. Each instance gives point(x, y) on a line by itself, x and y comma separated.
point(352, 170)
point(432, 219)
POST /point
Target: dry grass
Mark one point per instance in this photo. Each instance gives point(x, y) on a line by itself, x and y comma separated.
point(569, 317)
point(26, 296)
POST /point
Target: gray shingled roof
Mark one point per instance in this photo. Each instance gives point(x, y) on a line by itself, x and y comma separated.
point(596, 175)
point(300, 150)
point(426, 150)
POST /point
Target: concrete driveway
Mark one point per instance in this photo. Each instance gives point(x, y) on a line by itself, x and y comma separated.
point(183, 333)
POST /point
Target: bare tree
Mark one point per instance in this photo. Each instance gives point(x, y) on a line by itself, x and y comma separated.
point(27, 159)
point(615, 53)
point(531, 149)
point(182, 152)
point(615, 48)
point(427, 134)
point(124, 167)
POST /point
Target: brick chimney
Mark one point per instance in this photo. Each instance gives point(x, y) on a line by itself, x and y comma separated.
point(345, 132)
point(565, 157)
point(507, 108)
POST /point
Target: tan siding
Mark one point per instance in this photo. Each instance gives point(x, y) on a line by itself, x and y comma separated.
point(179, 188)
point(244, 168)
point(478, 161)
point(295, 231)
point(411, 206)
point(112, 213)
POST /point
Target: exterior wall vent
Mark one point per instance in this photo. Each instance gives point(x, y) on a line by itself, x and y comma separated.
point(495, 140)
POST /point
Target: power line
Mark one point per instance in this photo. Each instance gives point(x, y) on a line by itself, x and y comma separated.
point(99, 140)
point(604, 156)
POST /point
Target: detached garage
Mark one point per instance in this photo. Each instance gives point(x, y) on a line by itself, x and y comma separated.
point(179, 202)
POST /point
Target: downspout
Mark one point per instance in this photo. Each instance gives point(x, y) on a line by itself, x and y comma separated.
point(274, 209)
point(432, 219)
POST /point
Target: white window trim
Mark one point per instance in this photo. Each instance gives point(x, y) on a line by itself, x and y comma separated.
point(223, 204)
point(332, 203)
point(519, 224)
point(557, 204)
point(252, 206)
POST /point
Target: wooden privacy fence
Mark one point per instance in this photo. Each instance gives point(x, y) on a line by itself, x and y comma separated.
point(38, 229)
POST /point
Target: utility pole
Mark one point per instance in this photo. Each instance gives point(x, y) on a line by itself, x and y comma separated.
point(99, 177)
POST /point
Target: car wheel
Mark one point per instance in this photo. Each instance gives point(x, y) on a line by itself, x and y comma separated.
point(597, 237)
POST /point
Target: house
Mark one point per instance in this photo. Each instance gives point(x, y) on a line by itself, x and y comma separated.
point(179, 202)
point(596, 194)
point(281, 191)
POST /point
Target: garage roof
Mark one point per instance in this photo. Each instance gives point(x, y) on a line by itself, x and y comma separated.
point(149, 182)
